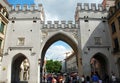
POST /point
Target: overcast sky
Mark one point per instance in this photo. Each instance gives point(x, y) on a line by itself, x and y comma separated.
point(57, 10)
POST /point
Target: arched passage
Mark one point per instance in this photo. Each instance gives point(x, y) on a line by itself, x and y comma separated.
point(59, 36)
point(20, 67)
point(99, 64)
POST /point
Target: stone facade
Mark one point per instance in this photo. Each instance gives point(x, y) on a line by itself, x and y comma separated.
point(29, 37)
point(94, 36)
point(71, 63)
point(3, 25)
point(114, 26)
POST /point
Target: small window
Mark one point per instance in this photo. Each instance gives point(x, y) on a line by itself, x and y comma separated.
point(113, 28)
point(119, 21)
point(2, 27)
point(98, 40)
point(21, 41)
point(116, 45)
point(0, 43)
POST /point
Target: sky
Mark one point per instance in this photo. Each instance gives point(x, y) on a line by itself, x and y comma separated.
point(58, 50)
point(57, 10)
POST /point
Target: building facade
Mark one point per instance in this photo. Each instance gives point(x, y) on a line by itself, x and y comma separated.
point(114, 26)
point(3, 25)
point(28, 37)
point(71, 63)
point(94, 39)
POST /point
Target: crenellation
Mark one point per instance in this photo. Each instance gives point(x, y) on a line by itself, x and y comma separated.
point(93, 6)
point(58, 24)
point(86, 6)
point(25, 8)
point(32, 7)
point(76, 26)
point(73, 26)
point(100, 7)
point(40, 8)
point(17, 8)
point(49, 23)
point(79, 6)
point(70, 24)
point(63, 22)
point(90, 7)
point(12, 8)
point(93, 12)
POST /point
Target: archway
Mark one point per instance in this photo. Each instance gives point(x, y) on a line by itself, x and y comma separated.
point(99, 64)
point(118, 63)
point(58, 37)
point(20, 69)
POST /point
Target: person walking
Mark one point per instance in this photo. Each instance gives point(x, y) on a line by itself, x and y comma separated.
point(87, 79)
point(54, 80)
point(83, 79)
point(113, 78)
point(95, 78)
point(67, 78)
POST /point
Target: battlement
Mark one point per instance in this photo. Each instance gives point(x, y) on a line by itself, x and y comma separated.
point(90, 12)
point(17, 8)
point(27, 12)
point(91, 7)
point(60, 24)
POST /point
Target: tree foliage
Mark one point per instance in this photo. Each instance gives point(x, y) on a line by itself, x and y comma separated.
point(53, 66)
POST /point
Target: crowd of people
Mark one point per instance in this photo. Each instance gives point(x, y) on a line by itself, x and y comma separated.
point(75, 78)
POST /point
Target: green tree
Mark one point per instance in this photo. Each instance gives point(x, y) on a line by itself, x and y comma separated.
point(53, 66)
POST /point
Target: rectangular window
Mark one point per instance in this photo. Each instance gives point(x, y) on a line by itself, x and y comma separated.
point(0, 43)
point(98, 40)
point(2, 27)
point(21, 41)
point(119, 22)
point(113, 28)
point(116, 45)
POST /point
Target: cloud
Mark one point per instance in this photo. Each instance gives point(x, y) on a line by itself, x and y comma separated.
point(62, 9)
point(57, 52)
point(49, 16)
